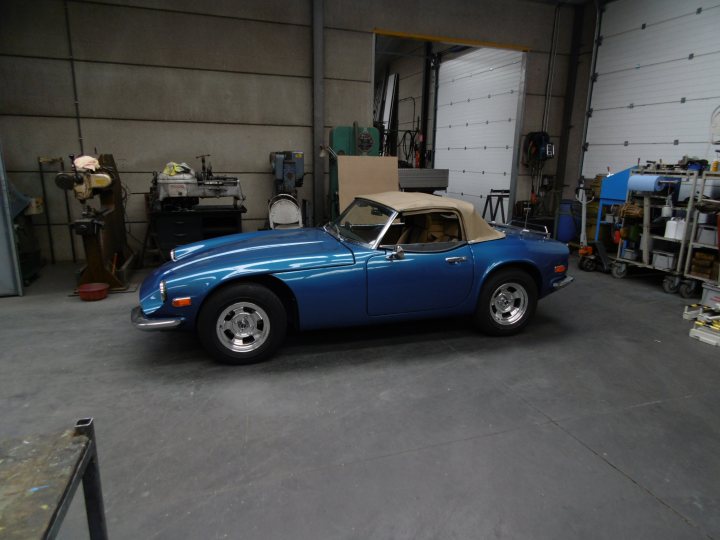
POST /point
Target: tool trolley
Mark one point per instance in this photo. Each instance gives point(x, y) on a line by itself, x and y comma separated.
point(657, 251)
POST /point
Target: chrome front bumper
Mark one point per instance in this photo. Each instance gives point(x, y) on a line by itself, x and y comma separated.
point(564, 282)
point(143, 323)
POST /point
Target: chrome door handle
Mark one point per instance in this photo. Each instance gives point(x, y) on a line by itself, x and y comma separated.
point(455, 260)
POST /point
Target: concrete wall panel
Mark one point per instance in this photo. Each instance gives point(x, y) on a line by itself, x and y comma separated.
point(536, 74)
point(174, 39)
point(117, 91)
point(33, 28)
point(24, 139)
point(35, 86)
point(532, 119)
point(348, 55)
point(281, 11)
point(147, 146)
point(346, 102)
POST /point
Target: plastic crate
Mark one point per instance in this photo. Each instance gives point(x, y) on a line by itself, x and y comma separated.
point(664, 260)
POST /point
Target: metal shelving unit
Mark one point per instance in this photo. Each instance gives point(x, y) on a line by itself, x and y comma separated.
point(692, 279)
point(621, 264)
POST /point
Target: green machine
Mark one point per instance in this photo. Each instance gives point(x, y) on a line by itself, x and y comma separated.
point(349, 141)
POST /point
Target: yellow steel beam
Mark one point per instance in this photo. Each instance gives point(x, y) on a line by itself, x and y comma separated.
point(453, 41)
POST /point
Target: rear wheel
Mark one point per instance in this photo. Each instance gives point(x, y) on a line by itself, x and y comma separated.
point(688, 288)
point(507, 302)
point(243, 323)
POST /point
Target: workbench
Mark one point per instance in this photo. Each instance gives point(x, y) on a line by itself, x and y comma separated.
point(177, 228)
point(38, 479)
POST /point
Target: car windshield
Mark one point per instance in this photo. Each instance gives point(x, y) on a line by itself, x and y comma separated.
point(363, 221)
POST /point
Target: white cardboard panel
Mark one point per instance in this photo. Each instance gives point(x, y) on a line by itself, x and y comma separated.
point(478, 96)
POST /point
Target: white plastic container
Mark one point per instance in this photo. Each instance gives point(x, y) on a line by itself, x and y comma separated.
point(675, 228)
point(670, 228)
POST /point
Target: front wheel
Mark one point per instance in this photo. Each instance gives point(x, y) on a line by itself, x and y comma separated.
point(242, 323)
point(671, 284)
point(507, 303)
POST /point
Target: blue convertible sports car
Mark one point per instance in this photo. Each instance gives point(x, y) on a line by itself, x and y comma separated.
point(389, 257)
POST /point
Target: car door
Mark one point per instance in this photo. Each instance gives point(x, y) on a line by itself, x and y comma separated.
point(431, 276)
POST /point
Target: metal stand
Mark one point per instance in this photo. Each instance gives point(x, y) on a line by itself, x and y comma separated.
point(40, 476)
point(495, 203)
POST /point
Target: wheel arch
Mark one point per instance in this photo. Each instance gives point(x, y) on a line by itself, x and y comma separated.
point(525, 266)
point(276, 285)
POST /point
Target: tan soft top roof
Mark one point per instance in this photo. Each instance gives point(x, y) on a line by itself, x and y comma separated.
point(476, 228)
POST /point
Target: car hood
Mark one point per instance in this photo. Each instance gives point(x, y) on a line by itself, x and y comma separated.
point(290, 249)
point(210, 262)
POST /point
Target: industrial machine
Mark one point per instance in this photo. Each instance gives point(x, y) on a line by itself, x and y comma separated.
point(179, 187)
point(107, 254)
point(176, 216)
point(284, 211)
point(349, 141)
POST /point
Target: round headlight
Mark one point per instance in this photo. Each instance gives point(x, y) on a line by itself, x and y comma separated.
point(172, 255)
point(163, 291)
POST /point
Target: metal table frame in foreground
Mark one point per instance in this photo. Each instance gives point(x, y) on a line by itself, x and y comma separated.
point(62, 461)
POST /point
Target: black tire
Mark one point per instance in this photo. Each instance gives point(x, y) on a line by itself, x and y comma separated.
point(619, 270)
point(487, 311)
point(670, 284)
point(243, 308)
point(587, 264)
point(688, 289)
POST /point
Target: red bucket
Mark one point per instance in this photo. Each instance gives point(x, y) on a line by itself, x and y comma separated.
point(93, 291)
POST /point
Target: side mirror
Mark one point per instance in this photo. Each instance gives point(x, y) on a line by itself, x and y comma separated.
point(397, 255)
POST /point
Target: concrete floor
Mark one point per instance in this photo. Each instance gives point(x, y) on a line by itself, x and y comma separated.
point(600, 421)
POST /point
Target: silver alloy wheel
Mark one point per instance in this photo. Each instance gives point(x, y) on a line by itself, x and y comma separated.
point(243, 327)
point(509, 303)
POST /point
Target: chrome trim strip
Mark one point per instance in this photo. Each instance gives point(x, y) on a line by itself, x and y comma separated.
point(137, 317)
point(567, 280)
point(395, 213)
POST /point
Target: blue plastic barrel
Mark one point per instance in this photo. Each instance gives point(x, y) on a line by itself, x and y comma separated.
point(566, 224)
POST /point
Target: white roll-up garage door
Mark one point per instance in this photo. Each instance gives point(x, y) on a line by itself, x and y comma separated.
point(478, 103)
point(658, 83)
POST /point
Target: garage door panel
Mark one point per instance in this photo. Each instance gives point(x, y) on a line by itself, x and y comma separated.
point(651, 100)
point(642, 47)
point(656, 83)
point(478, 95)
point(651, 124)
point(633, 15)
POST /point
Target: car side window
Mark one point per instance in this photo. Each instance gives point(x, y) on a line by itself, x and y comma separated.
point(425, 232)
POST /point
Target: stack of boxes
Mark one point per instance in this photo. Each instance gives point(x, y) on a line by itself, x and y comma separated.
point(704, 265)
